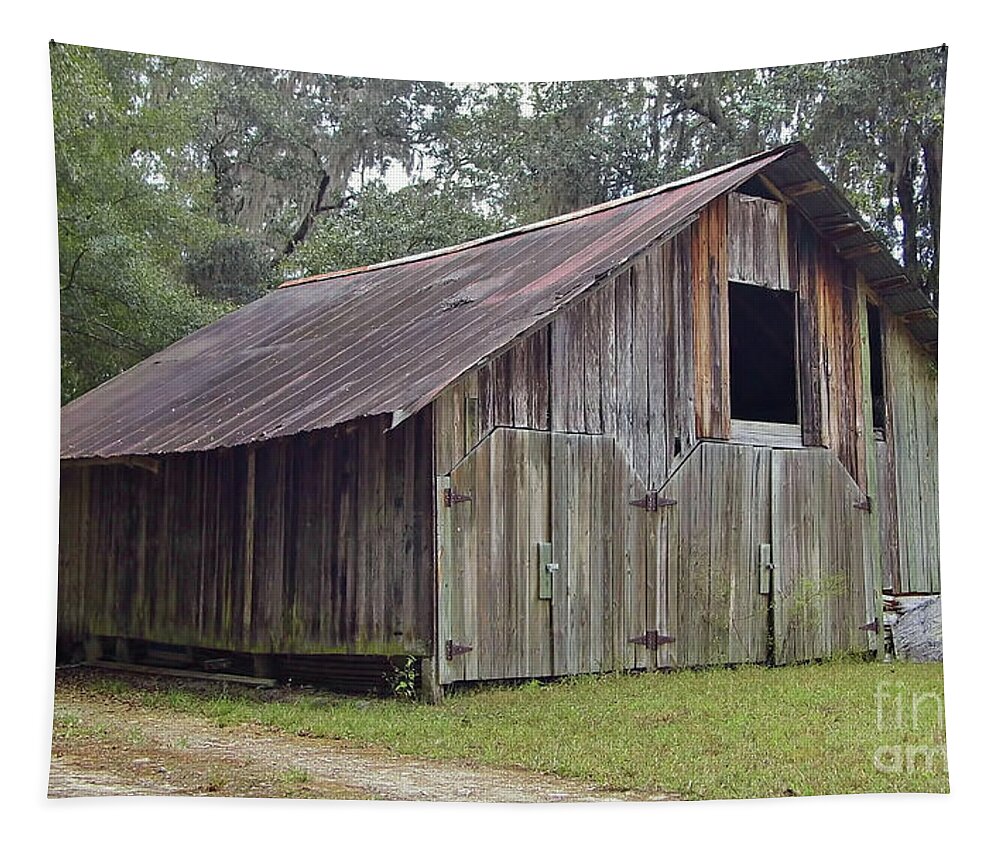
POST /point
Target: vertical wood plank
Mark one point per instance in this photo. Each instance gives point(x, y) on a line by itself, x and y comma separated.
point(560, 467)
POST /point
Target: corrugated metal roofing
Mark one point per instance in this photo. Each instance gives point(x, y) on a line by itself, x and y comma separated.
point(384, 339)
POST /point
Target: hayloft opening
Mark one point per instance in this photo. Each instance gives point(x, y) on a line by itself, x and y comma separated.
point(763, 383)
point(876, 371)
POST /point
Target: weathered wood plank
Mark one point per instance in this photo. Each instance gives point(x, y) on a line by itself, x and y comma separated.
point(684, 387)
point(658, 404)
point(911, 437)
point(710, 311)
point(803, 277)
point(624, 336)
point(560, 472)
point(757, 242)
point(589, 328)
point(539, 384)
point(641, 363)
point(538, 636)
point(701, 310)
point(559, 333)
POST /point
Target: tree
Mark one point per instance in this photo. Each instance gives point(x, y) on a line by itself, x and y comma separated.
point(187, 187)
point(379, 225)
point(875, 125)
point(119, 226)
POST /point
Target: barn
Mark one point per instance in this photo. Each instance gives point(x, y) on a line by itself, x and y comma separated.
point(692, 426)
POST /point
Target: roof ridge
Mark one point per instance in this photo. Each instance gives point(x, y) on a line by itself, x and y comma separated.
point(543, 223)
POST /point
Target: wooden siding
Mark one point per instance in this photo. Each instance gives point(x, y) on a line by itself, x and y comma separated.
point(510, 390)
point(598, 593)
point(320, 543)
point(912, 459)
point(617, 363)
point(830, 363)
point(645, 357)
point(758, 242)
point(622, 363)
point(710, 308)
point(888, 517)
point(638, 374)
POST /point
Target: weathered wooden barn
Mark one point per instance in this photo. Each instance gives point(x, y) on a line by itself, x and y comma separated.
point(692, 426)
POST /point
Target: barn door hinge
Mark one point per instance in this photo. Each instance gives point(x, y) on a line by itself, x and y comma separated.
point(651, 639)
point(870, 627)
point(652, 501)
point(453, 649)
point(864, 504)
point(452, 496)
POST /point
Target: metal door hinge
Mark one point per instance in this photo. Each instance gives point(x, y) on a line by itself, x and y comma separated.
point(864, 504)
point(453, 649)
point(652, 639)
point(453, 496)
point(652, 501)
point(870, 627)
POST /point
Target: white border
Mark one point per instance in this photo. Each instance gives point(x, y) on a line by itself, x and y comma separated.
point(517, 40)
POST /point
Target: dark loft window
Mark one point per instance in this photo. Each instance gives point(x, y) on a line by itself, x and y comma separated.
point(762, 375)
point(876, 372)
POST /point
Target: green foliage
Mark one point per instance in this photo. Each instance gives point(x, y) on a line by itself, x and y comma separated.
point(875, 124)
point(403, 678)
point(231, 268)
point(186, 187)
point(379, 225)
point(120, 227)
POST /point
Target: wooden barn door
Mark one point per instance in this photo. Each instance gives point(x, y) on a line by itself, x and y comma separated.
point(600, 597)
point(706, 586)
point(542, 560)
point(494, 618)
point(819, 538)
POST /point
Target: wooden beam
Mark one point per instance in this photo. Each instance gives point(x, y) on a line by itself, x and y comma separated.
point(263, 682)
point(917, 315)
point(808, 187)
point(846, 227)
point(773, 188)
point(860, 251)
point(142, 461)
point(882, 282)
point(820, 222)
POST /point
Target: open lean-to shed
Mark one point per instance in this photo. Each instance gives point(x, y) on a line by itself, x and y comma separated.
point(692, 426)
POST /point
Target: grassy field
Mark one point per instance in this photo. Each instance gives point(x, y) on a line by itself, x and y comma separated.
point(832, 728)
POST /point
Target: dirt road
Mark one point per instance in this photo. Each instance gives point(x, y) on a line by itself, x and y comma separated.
point(99, 749)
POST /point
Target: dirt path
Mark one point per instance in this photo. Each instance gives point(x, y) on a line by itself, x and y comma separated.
point(99, 749)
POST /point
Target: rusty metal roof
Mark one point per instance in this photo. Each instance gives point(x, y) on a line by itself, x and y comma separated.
point(383, 339)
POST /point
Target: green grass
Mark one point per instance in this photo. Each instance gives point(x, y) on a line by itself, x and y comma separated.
point(720, 733)
point(67, 726)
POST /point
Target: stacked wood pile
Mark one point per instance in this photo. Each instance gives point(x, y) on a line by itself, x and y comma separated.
point(914, 624)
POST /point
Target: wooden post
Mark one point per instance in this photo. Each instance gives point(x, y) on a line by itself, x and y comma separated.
point(442, 584)
point(91, 648)
point(263, 665)
point(873, 538)
point(248, 553)
point(430, 687)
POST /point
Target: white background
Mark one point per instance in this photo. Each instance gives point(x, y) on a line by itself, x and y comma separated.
point(512, 40)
